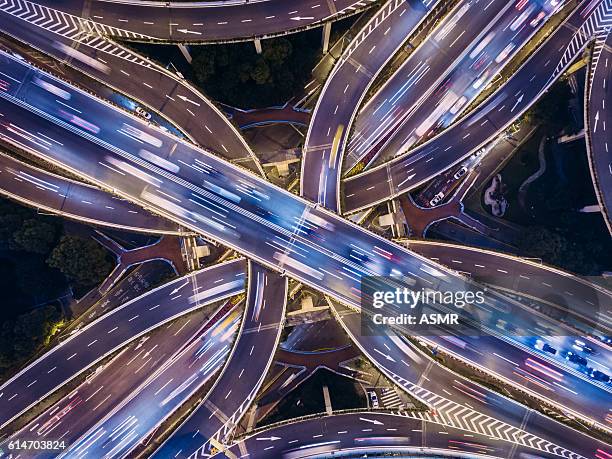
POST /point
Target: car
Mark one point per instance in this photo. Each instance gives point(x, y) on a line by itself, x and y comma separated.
point(600, 376)
point(373, 399)
point(537, 19)
point(504, 325)
point(545, 347)
point(142, 112)
point(436, 199)
point(505, 52)
point(575, 358)
point(478, 153)
point(457, 105)
point(460, 173)
point(582, 346)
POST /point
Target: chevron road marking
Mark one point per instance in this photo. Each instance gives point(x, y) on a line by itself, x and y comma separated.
point(597, 25)
point(456, 415)
point(64, 24)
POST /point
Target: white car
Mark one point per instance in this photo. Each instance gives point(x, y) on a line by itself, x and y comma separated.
point(373, 399)
point(460, 173)
point(436, 199)
point(142, 112)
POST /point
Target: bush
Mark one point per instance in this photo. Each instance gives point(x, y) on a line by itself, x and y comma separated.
point(82, 261)
point(36, 236)
point(236, 75)
point(22, 336)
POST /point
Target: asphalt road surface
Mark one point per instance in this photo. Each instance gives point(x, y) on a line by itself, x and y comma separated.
point(244, 373)
point(598, 118)
point(69, 198)
point(207, 21)
point(369, 432)
point(344, 89)
point(408, 171)
point(114, 330)
point(129, 73)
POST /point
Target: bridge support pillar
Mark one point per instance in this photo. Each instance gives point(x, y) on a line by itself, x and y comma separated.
point(326, 34)
point(185, 52)
point(258, 46)
point(328, 406)
point(590, 209)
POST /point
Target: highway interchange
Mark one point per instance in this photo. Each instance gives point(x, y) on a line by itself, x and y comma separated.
point(198, 189)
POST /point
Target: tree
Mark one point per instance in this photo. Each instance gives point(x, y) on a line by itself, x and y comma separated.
point(82, 261)
point(277, 51)
point(22, 336)
point(204, 64)
point(11, 218)
point(236, 75)
point(260, 72)
point(556, 249)
point(36, 236)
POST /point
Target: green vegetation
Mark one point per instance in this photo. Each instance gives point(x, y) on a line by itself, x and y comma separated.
point(82, 261)
point(554, 230)
point(22, 336)
point(559, 249)
point(38, 260)
point(235, 74)
point(36, 236)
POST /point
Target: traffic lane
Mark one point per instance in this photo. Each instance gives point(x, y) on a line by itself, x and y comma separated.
point(74, 414)
point(420, 74)
point(368, 431)
point(166, 389)
point(115, 329)
point(302, 237)
point(476, 129)
point(439, 388)
point(147, 82)
point(599, 118)
point(297, 237)
point(291, 250)
point(72, 199)
point(144, 144)
point(521, 367)
point(345, 88)
point(246, 368)
point(514, 274)
point(471, 76)
point(219, 21)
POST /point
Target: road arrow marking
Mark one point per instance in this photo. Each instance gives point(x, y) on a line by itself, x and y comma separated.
point(386, 356)
point(299, 18)
point(596, 120)
point(178, 288)
point(189, 31)
point(268, 438)
point(372, 421)
point(518, 101)
point(186, 99)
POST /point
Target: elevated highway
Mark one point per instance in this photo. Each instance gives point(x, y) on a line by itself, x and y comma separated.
point(68, 198)
point(419, 434)
point(115, 329)
point(244, 373)
point(229, 185)
point(598, 118)
point(124, 70)
point(502, 108)
point(351, 76)
point(203, 21)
